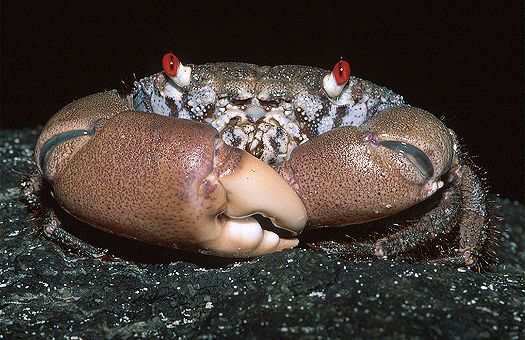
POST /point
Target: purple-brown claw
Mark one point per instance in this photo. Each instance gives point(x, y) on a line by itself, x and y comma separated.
point(163, 180)
point(354, 175)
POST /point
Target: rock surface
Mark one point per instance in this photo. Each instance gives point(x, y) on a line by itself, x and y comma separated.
point(48, 292)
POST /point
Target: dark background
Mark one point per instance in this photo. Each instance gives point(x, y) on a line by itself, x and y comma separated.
point(459, 60)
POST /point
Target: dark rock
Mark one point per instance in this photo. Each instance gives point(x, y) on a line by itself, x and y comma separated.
point(48, 292)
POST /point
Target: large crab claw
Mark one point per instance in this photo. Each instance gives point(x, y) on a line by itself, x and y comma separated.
point(354, 175)
point(163, 180)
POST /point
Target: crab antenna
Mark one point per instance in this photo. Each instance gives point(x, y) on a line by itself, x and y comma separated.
point(334, 82)
point(180, 74)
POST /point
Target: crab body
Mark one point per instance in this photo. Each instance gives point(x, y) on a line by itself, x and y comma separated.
point(192, 153)
point(264, 110)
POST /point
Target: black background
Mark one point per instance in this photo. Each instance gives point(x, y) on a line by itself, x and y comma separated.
point(459, 60)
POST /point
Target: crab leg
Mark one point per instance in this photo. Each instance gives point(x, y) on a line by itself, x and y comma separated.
point(476, 227)
point(466, 192)
point(432, 225)
point(475, 216)
point(163, 180)
point(435, 223)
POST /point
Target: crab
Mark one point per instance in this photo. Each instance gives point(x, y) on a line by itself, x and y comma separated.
point(206, 157)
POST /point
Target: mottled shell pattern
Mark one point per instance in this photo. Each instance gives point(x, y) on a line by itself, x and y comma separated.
point(264, 110)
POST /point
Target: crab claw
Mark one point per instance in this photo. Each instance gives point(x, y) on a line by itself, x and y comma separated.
point(164, 180)
point(354, 175)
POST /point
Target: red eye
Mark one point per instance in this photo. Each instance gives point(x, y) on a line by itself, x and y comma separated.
point(341, 72)
point(170, 63)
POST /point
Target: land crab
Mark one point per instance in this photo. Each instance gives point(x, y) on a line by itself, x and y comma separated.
point(193, 156)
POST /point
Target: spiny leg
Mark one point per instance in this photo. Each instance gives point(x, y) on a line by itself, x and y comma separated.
point(53, 230)
point(433, 224)
point(475, 226)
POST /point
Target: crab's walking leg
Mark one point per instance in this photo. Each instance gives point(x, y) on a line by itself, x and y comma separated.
point(53, 230)
point(345, 249)
point(475, 220)
point(432, 225)
point(476, 228)
point(463, 206)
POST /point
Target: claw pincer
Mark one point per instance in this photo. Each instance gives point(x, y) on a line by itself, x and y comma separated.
point(163, 180)
point(353, 175)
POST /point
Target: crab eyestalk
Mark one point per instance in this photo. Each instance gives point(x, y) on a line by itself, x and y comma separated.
point(335, 81)
point(180, 74)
